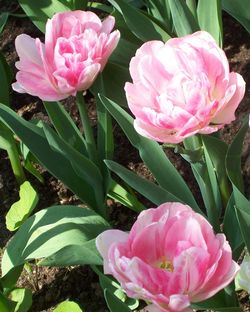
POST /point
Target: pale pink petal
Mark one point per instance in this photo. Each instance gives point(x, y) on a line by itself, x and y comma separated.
point(227, 112)
point(108, 24)
point(104, 242)
point(38, 86)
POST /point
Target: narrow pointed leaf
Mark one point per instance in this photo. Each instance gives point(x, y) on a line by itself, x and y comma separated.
point(65, 126)
point(143, 27)
point(153, 156)
point(209, 17)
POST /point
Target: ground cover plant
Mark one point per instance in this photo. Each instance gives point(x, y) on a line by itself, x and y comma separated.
point(158, 69)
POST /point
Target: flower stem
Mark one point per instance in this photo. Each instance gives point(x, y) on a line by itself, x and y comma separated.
point(8, 143)
point(88, 132)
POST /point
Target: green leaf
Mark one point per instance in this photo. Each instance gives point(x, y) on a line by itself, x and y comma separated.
point(233, 166)
point(3, 20)
point(65, 126)
point(86, 253)
point(54, 160)
point(49, 231)
point(217, 151)
point(153, 156)
point(109, 283)
point(239, 10)
point(141, 26)
point(67, 306)
point(114, 304)
point(83, 167)
point(233, 157)
point(22, 209)
point(161, 11)
point(6, 305)
point(209, 17)
point(204, 175)
point(39, 11)
point(113, 86)
point(243, 215)
point(23, 297)
point(151, 191)
point(121, 195)
point(183, 20)
point(231, 222)
point(5, 80)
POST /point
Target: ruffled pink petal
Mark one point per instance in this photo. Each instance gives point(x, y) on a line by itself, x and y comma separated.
point(108, 24)
point(109, 47)
point(104, 242)
point(37, 86)
point(227, 112)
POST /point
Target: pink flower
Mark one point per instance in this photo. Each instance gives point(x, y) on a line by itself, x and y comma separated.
point(182, 87)
point(171, 257)
point(77, 47)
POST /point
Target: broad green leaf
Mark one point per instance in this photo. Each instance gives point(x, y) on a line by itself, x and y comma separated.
point(22, 209)
point(86, 253)
point(201, 173)
point(233, 166)
point(161, 11)
point(114, 304)
point(49, 231)
point(65, 126)
point(39, 10)
point(6, 305)
point(3, 20)
point(233, 157)
point(243, 215)
point(239, 10)
point(23, 297)
point(143, 27)
point(153, 156)
point(5, 80)
point(183, 20)
point(80, 4)
point(121, 195)
point(109, 283)
point(209, 17)
point(232, 230)
point(82, 166)
point(67, 306)
point(217, 151)
point(113, 87)
point(55, 161)
point(218, 302)
point(123, 53)
point(151, 191)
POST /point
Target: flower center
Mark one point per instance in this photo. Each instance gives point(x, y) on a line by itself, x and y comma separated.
point(166, 264)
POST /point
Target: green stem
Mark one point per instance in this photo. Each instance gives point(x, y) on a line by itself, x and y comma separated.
point(88, 132)
point(8, 143)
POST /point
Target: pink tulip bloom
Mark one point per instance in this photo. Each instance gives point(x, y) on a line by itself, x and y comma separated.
point(170, 258)
point(77, 47)
point(182, 87)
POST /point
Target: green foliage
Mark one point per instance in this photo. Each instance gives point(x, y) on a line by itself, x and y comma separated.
point(153, 156)
point(239, 10)
point(140, 25)
point(48, 232)
point(22, 209)
point(77, 172)
point(67, 306)
point(209, 17)
point(39, 11)
point(114, 303)
point(184, 22)
point(23, 297)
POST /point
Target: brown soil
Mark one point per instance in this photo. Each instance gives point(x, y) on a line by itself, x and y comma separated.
point(52, 285)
